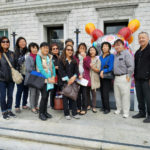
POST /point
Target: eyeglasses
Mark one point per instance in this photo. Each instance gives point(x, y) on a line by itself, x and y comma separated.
point(5, 41)
point(70, 50)
point(54, 48)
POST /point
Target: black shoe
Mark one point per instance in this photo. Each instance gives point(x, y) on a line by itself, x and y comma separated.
point(11, 114)
point(147, 120)
point(48, 115)
point(106, 111)
point(5, 116)
point(139, 115)
point(42, 117)
point(102, 109)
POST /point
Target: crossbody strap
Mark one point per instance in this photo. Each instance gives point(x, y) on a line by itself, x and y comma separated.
point(10, 65)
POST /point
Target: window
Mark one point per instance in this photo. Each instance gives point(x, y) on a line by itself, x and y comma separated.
point(113, 28)
point(4, 32)
point(56, 35)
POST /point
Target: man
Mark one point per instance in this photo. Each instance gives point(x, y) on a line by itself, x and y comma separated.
point(123, 70)
point(142, 77)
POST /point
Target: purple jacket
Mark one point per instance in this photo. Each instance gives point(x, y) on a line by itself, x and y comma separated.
point(86, 66)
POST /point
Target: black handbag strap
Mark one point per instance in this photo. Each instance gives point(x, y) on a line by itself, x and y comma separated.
point(107, 61)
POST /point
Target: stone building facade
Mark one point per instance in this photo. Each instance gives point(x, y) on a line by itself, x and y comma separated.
point(34, 19)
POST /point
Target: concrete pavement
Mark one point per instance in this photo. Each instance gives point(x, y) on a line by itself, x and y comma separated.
point(92, 131)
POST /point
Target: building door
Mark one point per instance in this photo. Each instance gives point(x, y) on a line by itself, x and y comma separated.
point(56, 35)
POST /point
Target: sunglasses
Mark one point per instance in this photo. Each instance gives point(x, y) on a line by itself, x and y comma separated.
point(54, 48)
point(70, 50)
point(5, 41)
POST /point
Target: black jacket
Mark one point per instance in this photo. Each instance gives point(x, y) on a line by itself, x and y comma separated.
point(5, 71)
point(67, 70)
point(142, 64)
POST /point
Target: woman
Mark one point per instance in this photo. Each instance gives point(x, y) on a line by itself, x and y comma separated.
point(20, 56)
point(107, 62)
point(94, 65)
point(30, 66)
point(68, 71)
point(6, 82)
point(46, 67)
point(81, 102)
point(54, 50)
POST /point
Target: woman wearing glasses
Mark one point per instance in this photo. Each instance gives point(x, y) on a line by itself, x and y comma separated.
point(68, 71)
point(6, 82)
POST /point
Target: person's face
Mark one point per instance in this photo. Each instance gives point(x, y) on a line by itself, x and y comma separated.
point(22, 43)
point(69, 51)
point(105, 48)
point(69, 43)
point(45, 50)
point(34, 50)
point(119, 47)
point(5, 44)
point(92, 52)
point(143, 39)
point(55, 50)
point(82, 49)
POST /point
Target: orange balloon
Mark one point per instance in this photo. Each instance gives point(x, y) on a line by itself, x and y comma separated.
point(130, 39)
point(134, 25)
point(92, 40)
point(89, 28)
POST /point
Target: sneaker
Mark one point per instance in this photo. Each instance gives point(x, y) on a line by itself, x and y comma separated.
point(125, 116)
point(147, 120)
point(48, 115)
point(68, 117)
point(139, 115)
point(11, 114)
point(76, 117)
point(117, 112)
point(106, 111)
point(42, 117)
point(5, 116)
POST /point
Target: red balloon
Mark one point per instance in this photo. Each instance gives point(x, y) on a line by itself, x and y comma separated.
point(96, 34)
point(125, 32)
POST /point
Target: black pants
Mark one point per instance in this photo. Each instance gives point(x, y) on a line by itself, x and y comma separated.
point(44, 100)
point(105, 88)
point(143, 96)
point(82, 98)
point(52, 95)
point(67, 101)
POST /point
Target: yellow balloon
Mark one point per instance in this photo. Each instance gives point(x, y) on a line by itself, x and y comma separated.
point(89, 28)
point(134, 25)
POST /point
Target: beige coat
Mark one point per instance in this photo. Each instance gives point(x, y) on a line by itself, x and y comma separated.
point(95, 77)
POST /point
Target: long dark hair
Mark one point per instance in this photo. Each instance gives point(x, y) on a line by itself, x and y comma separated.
point(1, 39)
point(17, 48)
point(81, 44)
point(63, 56)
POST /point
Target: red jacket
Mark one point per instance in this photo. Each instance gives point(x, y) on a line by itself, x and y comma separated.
point(86, 66)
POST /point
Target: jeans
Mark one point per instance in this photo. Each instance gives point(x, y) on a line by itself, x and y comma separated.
point(6, 88)
point(21, 89)
point(143, 96)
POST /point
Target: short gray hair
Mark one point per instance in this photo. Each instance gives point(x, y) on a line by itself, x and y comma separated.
point(144, 33)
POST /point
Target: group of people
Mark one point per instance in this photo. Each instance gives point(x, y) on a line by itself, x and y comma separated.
point(70, 66)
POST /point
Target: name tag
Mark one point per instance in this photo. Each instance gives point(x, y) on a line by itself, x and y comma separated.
point(120, 59)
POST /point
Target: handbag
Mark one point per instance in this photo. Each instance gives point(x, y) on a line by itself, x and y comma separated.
point(16, 75)
point(108, 75)
point(71, 91)
point(36, 80)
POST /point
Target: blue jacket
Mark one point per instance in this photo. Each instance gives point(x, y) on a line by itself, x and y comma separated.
point(108, 60)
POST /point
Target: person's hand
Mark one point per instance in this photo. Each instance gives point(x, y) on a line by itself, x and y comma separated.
point(83, 54)
point(80, 77)
point(71, 80)
point(102, 74)
point(128, 78)
point(51, 80)
point(56, 67)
